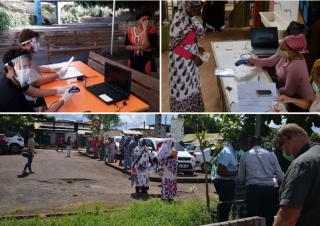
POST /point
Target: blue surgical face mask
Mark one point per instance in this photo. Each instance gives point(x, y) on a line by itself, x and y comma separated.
point(290, 158)
point(315, 88)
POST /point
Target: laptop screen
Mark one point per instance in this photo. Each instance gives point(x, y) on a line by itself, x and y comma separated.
point(118, 76)
point(264, 37)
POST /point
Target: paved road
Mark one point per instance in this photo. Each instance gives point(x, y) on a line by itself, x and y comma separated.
point(62, 183)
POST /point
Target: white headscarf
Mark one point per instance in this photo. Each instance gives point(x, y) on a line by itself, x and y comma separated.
point(166, 149)
point(182, 24)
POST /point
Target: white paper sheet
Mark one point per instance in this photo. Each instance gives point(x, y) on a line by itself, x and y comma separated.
point(72, 73)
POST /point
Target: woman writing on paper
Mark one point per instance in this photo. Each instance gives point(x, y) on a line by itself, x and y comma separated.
point(291, 68)
point(185, 30)
point(311, 105)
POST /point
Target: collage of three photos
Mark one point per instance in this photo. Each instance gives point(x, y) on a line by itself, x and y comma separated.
point(202, 112)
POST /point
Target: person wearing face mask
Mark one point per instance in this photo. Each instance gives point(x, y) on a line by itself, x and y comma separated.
point(141, 40)
point(12, 97)
point(30, 40)
point(184, 60)
point(311, 105)
point(259, 168)
point(299, 192)
point(291, 68)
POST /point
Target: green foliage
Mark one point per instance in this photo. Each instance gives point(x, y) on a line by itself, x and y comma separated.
point(19, 19)
point(152, 212)
point(4, 20)
point(108, 121)
point(315, 137)
point(211, 125)
point(20, 123)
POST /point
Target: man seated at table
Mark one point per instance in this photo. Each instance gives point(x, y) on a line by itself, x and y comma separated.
point(12, 98)
point(30, 40)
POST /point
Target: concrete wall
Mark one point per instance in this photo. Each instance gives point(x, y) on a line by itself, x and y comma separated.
point(177, 129)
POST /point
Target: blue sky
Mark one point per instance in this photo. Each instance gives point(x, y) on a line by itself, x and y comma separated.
point(132, 120)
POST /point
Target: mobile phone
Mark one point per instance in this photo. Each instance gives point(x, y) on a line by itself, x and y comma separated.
point(264, 92)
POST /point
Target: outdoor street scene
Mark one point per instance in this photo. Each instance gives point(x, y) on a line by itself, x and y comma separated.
point(163, 169)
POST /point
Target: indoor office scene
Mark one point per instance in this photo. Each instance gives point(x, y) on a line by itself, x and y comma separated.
point(79, 56)
point(240, 56)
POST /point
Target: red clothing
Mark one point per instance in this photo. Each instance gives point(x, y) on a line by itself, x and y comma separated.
point(189, 40)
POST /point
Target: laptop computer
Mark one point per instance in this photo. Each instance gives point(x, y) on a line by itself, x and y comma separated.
point(264, 40)
point(116, 86)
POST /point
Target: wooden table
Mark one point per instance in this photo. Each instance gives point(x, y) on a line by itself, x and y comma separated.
point(226, 53)
point(84, 101)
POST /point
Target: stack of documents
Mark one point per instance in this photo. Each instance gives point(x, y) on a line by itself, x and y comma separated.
point(251, 101)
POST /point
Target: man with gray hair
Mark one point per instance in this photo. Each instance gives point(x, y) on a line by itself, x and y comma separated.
point(299, 193)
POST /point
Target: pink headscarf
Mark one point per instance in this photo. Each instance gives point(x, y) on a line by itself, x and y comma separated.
point(297, 43)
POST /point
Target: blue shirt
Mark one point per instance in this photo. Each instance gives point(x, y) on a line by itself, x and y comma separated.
point(227, 158)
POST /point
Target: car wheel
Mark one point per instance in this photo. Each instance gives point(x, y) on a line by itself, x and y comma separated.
point(14, 148)
point(209, 167)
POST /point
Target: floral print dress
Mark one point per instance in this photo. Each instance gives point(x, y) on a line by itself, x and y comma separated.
point(168, 173)
point(140, 170)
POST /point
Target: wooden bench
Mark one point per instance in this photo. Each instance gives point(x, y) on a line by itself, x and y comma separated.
point(143, 86)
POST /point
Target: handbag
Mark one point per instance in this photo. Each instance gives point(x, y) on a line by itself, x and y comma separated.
point(25, 154)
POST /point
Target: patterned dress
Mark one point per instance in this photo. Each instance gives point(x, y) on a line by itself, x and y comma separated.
point(168, 170)
point(168, 173)
point(140, 170)
point(185, 91)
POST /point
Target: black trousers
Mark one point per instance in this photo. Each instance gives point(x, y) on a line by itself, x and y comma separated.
point(262, 201)
point(225, 190)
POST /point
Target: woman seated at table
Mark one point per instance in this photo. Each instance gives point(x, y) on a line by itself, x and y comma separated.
point(140, 41)
point(311, 105)
point(13, 87)
point(291, 68)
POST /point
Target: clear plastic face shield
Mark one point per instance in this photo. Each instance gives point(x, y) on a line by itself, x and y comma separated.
point(22, 70)
point(35, 42)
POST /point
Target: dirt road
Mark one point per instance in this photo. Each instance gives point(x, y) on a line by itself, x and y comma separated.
point(67, 184)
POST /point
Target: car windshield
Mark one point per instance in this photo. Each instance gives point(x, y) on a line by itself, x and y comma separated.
point(117, 139)
point(190, 147)
point(179, 147)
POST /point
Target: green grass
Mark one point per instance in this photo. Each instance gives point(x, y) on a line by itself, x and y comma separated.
point(152, 212)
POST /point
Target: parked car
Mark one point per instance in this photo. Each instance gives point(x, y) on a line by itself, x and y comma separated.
point(15, 141)
point(153, 146)
point(208, 154)
point(191, 148)
point(3, 143)
point(186, 162)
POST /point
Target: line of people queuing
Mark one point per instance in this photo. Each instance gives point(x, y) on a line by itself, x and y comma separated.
point(266, 191)
point(132, 153)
